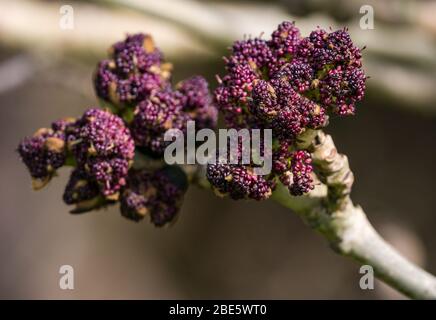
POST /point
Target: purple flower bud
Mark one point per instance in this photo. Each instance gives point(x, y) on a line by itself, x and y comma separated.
point(197, 102)
point(238, 181)
point(133, 71)
point(342, 88)
point(138, 195)
point(285, 39)
point(82, 191)
point(230, 176)
point(104, 148)
point(44, 152)
point(232, 95)
point(110, 174)
point(286, 84)
point(281, 158)
point(172, 184)
point(286, 124)
point(323, 49)
point(299, 75)
point(152, 117)
point(346, 52)
point(264, 103)
point(255, 52)
point(137, 53)
point(137, 87)
point(106, 81)
point(156, 194)
point(301, 168)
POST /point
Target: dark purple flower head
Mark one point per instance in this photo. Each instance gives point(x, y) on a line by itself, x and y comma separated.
point(238, 83)
point(154, 116)
point(83, 192)
point(44, 152)
point(170, 109)
point(302, 85)
point(197, 102)
point(99, 133)
point(135, 69)
point(233, 93)
point(255, 52)
point(342, 88)
point(337, 62)
point(284, 40)
point(298, 74)
point(136, 81)
point(301, 169)
point(238, 181)
point(171, 183)
point(156, 194)
point(327, 50)
point(345, 52)
point(264, 104)
point(138, 195)
point(136, 54)
point(109, 173)
point(103, 147)
point(229, 175)
point(284, 110)
point(303, 112)
point(136, 88)
point(195, 93)
point(287, 84)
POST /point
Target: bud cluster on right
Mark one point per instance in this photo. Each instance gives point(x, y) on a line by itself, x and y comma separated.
point(289, 84)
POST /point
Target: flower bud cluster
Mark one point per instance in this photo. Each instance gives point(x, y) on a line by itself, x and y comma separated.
point(157, 194)
point(98, 145)
point(289, 84)
point(135, 82)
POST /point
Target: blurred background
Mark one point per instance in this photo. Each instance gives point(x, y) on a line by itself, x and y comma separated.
point(218, 248)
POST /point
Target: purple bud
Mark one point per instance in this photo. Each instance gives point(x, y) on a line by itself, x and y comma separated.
point(152, 117)
point(301, 168)
point(299, 75)
point(255, 52)
point(138, 195)
point(238, 181)
point(342, 88)
point(83, 192)
point(264, 101)
point(44, 152)
point(136, 54)
point(133, 71)
point(103, 147)
point(197, 102)
point(286, 84)
point(110, 174)
point(285, 39)
point(152, 193)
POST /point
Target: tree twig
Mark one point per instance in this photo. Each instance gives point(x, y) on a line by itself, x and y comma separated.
point(329, 210)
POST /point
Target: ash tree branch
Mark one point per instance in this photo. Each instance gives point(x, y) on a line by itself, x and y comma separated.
point(329, 210)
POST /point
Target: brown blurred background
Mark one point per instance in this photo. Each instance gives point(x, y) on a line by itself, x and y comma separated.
point(218, 248)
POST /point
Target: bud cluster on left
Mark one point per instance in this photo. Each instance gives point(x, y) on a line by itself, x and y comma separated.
point(139, 105)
